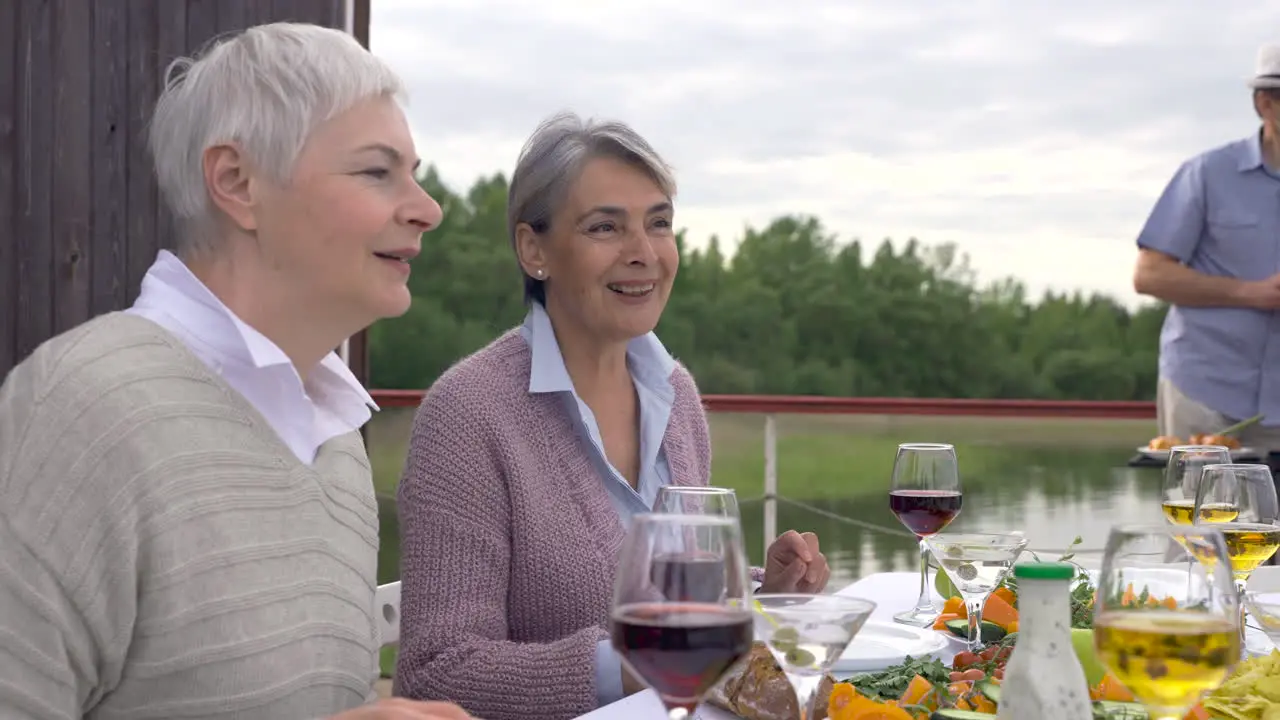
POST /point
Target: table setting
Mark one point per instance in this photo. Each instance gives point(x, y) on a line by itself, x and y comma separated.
point(1179, 620)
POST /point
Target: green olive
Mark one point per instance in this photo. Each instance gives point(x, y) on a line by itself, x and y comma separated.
point(797, 656)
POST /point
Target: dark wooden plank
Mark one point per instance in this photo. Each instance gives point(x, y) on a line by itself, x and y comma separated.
point(109, 266)
point(282, 10)
point(359, 349)
point(189, 29)
point(360, 22)
point(337, 14)
point(72, 159)
point(143, 70)
point(171, 44)
point(32, 238)
point(10, 101)
point(330, 13)
point(233, 16)
point(202, 24)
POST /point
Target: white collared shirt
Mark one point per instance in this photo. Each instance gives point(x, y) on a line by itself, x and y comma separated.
point(331, 402)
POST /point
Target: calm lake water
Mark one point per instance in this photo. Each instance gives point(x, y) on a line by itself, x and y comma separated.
point(1051, 503)
point(1052, 495)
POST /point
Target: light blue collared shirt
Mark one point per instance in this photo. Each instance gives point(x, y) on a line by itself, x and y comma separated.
point(1220, 215)
point(651, 367)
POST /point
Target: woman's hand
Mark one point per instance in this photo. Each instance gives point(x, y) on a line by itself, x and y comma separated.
point(403, 709)
point(795, 565)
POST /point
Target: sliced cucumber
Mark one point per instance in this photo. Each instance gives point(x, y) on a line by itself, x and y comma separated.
point(1115, 710)
point(991, 632)
point(990, 690)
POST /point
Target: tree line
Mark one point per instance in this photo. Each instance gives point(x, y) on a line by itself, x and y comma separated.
point(794, 311)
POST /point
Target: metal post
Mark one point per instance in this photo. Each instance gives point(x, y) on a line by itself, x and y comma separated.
point(344, 352)
point(770, 481)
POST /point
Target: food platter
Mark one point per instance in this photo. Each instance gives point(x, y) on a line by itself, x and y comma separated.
point(1238, 454)
point(879, 645)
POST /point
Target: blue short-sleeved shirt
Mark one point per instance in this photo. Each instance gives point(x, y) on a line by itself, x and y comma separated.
point(1220, 215)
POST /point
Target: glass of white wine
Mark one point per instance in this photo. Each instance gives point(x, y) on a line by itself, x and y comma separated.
point(1182, 480)
point(1252, 535)
point(1169, 631)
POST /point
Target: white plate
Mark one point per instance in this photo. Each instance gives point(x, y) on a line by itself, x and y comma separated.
point(1256, 642)
point(879, 645)
point(1243, 453)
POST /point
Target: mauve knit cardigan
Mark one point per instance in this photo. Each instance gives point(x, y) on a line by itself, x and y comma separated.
point(509, 540)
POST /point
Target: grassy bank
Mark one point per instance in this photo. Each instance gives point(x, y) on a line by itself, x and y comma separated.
point(824, 456)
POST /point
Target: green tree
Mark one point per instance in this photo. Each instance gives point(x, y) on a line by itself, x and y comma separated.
point(794, 310)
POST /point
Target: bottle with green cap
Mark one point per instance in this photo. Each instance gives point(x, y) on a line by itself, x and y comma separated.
point(1043, 678)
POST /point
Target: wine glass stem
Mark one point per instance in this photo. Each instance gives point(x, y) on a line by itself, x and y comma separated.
point(924, 600)
point(1240, 588)
point(975, 621)
point(806, 687)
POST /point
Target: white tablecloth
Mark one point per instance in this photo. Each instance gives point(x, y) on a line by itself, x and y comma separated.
point(892, 592)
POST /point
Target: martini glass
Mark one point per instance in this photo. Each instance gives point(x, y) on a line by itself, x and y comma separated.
point(1264, 607)
point(976, 563)
point(807, 634)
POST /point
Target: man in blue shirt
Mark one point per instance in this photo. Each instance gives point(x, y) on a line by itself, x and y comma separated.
point(1211, 249)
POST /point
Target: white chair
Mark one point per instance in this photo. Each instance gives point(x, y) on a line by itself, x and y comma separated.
point(387, 608)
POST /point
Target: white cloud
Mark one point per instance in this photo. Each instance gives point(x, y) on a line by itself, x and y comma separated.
point(1035, 135)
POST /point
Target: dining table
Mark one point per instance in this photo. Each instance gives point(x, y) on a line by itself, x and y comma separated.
point(890, 591)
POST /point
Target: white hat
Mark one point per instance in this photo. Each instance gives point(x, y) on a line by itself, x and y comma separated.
point(1267, 74)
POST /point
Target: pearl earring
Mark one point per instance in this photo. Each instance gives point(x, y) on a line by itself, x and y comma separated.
point(539, 273)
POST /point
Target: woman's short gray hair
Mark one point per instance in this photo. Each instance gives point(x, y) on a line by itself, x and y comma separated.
point(553, 158)
point(266, 89)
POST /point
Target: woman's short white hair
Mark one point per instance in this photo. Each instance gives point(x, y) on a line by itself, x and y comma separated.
point(266, 89)
point(551, 161)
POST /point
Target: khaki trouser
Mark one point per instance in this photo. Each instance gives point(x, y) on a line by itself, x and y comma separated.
point(1182, 417)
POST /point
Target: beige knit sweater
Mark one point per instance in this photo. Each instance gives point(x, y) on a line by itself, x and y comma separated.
point(163, 554)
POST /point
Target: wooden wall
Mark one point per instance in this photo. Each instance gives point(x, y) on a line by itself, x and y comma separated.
point(80, 219)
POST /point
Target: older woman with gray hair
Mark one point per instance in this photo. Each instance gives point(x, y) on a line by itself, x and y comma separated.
point(187, 519)
point(529, 457)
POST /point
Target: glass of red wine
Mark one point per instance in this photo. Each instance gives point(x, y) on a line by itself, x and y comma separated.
point(703, 572)
point(696, 500)
point(926, 497)
point(681, 631)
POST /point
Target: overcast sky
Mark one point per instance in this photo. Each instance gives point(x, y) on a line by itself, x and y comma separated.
point(1035, 134)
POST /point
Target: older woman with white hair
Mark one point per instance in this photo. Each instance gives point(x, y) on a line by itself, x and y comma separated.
point(187, 519)
point(529, 458)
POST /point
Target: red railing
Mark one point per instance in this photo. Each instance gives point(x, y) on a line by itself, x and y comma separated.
point(810, 405)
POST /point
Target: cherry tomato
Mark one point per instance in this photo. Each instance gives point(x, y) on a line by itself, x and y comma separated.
point(1004, 653)
point(989, 653)
point(999, 673)
point(956, 676)
point(972, 674)
point(965, 659)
